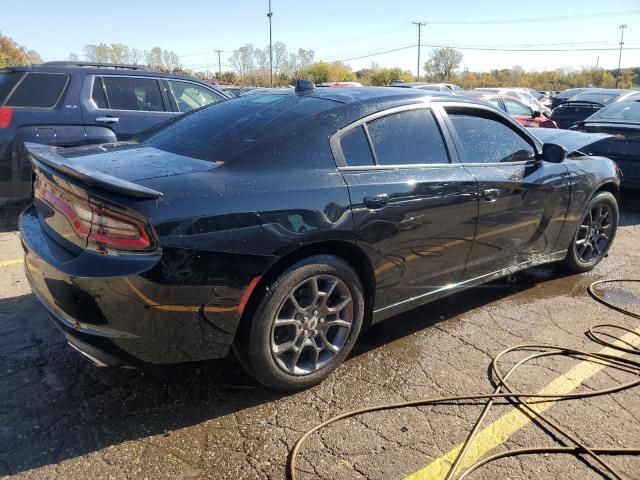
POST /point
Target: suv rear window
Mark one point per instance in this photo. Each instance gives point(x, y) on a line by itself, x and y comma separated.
point(7, 80)
point(41, 90)
point(225, 130)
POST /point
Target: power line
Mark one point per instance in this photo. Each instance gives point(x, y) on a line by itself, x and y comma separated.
point(559, 18)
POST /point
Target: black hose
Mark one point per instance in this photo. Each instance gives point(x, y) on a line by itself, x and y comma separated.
point(525, 401)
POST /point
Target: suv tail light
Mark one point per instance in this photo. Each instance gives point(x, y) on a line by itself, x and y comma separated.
point(96, 224)
point(6, 114)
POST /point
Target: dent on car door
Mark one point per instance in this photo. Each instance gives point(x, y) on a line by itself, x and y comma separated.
point(523, 200)
point(414, 211)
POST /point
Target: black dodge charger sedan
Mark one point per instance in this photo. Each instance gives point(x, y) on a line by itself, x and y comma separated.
point(282, 223)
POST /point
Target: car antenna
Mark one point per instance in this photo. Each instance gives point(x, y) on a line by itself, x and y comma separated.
point(26, 55)
point(304, 86)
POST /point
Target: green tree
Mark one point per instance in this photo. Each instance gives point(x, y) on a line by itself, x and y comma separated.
point(322, 72)
point(12, 54)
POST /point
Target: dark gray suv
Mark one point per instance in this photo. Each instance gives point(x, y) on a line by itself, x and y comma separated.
point(70, 104)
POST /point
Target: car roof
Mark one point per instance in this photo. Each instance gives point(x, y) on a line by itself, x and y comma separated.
point(348, 95)
point(96, 69)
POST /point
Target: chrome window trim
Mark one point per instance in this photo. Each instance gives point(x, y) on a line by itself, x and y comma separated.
point(39, 73)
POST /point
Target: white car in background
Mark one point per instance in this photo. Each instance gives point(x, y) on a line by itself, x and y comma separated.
point(523, 95)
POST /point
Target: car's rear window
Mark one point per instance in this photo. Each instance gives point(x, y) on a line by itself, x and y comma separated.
point(221, 132)
point(602, 98)
point(7, 81)
point(41, 90)
point(623, 111)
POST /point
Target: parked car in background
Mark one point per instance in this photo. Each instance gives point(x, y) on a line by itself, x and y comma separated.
point(622, 121)
point(232, 91)
point(561, 97)
point(70, 103)
point(281, 224)
point(521, 94)
point(524, 114)
point(586, 103)
point(435, 87)
point(340, 84)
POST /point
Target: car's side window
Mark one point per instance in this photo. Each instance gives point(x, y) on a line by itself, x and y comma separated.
point(495, 102)
point(98, 94)
point(355, 148)
point(189, 96)
point(482, 138)
point(517, 108)
point(407, 138)
point(129, 93)
point(39, 90)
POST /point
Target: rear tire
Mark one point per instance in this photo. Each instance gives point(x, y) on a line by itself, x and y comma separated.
point(594, 235)
point(304, 326)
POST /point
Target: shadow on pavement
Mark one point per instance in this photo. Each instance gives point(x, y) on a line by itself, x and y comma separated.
point(55, 406)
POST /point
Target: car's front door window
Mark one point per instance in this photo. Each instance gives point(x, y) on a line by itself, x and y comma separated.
point(517, 108)
point(189, 96)
point(482, 139)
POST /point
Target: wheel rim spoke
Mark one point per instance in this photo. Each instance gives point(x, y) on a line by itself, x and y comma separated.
point(312, 324)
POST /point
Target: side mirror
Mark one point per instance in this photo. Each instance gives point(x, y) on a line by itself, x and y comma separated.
point(536, 114)
point(554, 153)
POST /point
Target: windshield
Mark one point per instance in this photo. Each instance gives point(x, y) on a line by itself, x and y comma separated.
point(625, 111)
point(597, 97)
point(223, 131)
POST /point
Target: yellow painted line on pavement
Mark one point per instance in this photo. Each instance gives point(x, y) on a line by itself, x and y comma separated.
point(501, 429)
point(13, 261)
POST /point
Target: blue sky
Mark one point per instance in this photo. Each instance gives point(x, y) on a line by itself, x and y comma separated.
point(335, 29)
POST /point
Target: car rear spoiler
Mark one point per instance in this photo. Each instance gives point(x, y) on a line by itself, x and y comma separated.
point(49, 156)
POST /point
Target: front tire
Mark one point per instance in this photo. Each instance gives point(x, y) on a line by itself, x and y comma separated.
point(595, 233)
point(305, 324)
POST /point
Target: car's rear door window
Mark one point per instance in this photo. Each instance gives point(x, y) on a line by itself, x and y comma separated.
point(355, 148)
point(410, 137)
point(189, 96)
point(132, 93)
point(483, 139)
point(40, 90)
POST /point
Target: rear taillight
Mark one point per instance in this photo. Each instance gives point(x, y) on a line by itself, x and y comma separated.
point(6, 114)
point(96, 224)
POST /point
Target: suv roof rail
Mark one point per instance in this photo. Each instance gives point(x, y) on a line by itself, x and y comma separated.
point(93, 64)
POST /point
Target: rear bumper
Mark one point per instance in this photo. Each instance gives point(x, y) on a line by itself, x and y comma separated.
point(127, 310)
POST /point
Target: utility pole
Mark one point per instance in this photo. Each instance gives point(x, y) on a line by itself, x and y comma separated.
point(219, 62)
point(420, 25)
point(622, 27)
point(270, 14)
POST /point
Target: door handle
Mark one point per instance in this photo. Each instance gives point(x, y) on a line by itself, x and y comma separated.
point(107, 119)
point(376, 201)
point(490, 195)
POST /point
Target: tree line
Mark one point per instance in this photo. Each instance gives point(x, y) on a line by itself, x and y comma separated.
point(13, 54)
point(249, 65)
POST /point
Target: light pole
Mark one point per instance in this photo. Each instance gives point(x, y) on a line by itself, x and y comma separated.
point(420, 25)
point(219, 63)
point(622, 27)
point(270, 14)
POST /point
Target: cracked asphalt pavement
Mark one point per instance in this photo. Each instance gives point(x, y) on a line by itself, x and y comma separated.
point(62, 418)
